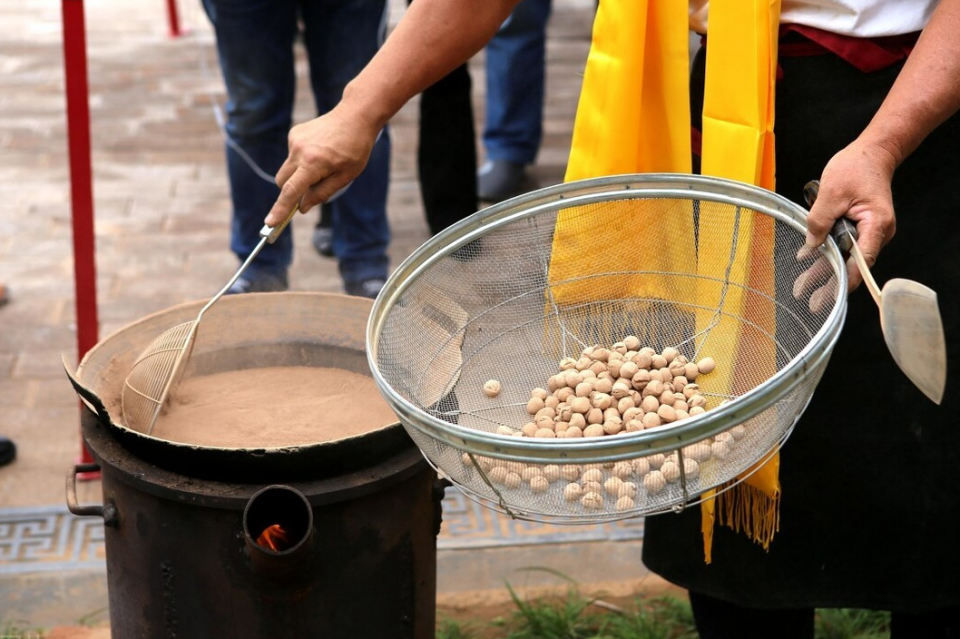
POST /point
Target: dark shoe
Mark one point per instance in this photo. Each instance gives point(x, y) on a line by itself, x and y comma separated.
point(499, 180)
point(364, 288)
point(323, 240)
point(8, 452)
point(259, 282)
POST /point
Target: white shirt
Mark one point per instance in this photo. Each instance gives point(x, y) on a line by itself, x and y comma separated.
point(861, 18)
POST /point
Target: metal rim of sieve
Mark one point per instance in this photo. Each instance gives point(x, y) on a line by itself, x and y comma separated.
point(593, 191)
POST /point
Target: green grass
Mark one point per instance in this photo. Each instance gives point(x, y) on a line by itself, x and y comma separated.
point(850, 623)
point(19, 629)
point(574, 616)
point(450, 629)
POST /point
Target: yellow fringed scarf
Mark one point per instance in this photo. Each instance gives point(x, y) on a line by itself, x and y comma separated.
point(634, 117)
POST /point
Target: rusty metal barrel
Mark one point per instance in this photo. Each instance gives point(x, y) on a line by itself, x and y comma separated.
point(184, 524)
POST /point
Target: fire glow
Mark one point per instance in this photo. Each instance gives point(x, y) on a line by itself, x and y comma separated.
point(274, 538)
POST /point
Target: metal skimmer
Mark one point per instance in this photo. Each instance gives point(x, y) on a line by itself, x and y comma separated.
point(158, 369)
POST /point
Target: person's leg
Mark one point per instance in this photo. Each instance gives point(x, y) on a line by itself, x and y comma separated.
point(323, 232)
point(8, 451)
point(341, 37)
point(943, 623)
point(255, 47)
point(447, 151)
point(716, 619)
point(513, 129)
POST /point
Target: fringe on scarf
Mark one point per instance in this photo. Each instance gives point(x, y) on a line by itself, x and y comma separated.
point(754, 512)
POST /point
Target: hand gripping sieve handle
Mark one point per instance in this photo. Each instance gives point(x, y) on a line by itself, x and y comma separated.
point(844, 233)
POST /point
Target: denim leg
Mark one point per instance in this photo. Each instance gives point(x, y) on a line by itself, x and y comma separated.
point(341, 37)
point(255, 47)
point(515, 62)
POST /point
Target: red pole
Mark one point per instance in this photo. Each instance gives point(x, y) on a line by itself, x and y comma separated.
point(173, 18)
point(81, 182)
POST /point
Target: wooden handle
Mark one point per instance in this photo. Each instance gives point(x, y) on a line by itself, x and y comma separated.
point(845, 235)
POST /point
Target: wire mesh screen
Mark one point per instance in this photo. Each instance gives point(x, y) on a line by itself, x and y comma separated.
point(572, 353)
point(146, 387)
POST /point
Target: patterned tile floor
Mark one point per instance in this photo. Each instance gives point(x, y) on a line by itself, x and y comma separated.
point(162, 205)
point(51, 539)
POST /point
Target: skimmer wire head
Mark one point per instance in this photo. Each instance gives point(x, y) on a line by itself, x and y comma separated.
point(154, 374)
point(158, 369)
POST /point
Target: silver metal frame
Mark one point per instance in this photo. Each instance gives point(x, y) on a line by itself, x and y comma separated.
point(591, 191)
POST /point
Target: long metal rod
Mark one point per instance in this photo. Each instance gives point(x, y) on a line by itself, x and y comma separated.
point(81, 182)
point(173, 19)
point(236, 276)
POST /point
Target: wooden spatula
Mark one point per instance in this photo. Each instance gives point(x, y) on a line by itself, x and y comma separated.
point(909, 315)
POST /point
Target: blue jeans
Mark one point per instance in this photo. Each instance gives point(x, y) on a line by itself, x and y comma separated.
point(515, 65)
point(255, 42)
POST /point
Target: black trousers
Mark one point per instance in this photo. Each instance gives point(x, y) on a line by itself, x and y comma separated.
point(718, 619)
point(447, 150)
point(447, 153)
point(852, 533)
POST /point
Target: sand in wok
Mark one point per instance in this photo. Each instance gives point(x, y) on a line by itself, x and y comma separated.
point(273, 407)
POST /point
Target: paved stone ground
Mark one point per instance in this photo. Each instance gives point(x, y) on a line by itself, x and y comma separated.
point(161, 198)
point(162, 216)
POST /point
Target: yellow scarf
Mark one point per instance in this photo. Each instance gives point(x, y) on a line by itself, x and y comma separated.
point(634, 117)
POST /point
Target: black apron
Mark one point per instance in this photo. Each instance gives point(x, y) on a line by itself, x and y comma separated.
point(869, 514)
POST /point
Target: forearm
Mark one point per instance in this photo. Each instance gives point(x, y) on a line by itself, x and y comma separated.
point(927, 90)
point(420, 51)
point(328, 152)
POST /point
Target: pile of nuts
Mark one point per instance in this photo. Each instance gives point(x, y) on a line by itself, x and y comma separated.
point(608, 392)
point(622, 389)
point(591, 485)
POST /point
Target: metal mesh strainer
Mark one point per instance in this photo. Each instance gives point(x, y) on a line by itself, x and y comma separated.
point(701, 265)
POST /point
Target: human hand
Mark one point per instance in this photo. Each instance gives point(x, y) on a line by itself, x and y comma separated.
point(325, 155)
point(855, 185)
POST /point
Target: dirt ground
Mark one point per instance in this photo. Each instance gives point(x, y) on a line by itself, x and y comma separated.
point(477, 609)
point(78, 632)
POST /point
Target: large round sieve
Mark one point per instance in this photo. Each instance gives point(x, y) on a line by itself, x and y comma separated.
point(702, 265)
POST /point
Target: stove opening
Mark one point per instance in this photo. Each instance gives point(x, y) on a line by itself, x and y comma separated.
point(278, 519)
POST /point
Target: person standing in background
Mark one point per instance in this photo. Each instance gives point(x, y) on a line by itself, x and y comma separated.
point(323, 232)
point(8, 451)
point(255, 42)
point(446, 159)
point(451, 187)
point(516, 80)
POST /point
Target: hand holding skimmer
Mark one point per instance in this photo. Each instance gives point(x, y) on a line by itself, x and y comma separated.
point(909, 316)
point(160, 365)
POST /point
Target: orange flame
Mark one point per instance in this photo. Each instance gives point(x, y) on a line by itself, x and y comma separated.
point(274, 538)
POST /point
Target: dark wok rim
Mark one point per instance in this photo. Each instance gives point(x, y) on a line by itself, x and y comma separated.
point(302, 461)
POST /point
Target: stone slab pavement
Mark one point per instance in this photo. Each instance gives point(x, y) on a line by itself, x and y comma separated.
point(162, 215)
point(160, 195)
